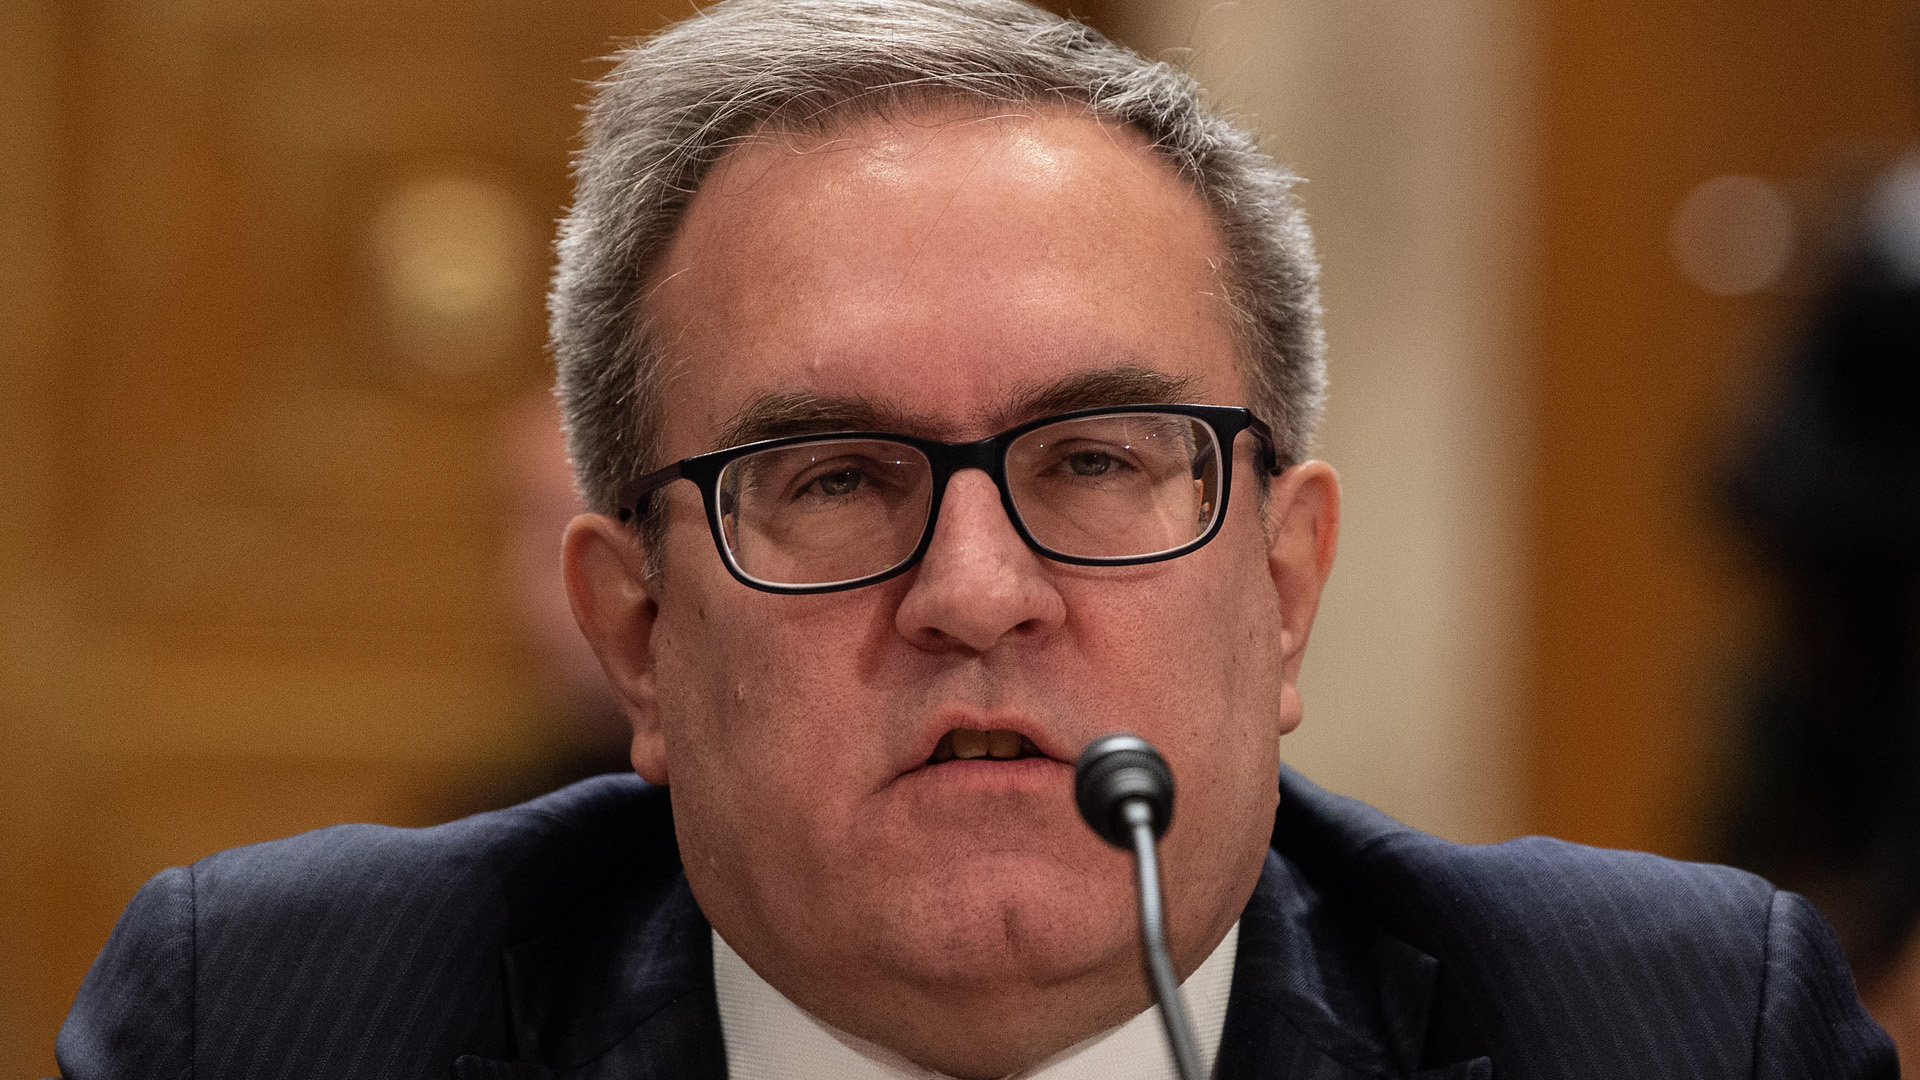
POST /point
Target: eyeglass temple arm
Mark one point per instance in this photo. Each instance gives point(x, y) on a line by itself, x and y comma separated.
point(633, 498)
point(1263, 438)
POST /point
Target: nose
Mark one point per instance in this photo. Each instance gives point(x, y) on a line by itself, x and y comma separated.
point(979, 584)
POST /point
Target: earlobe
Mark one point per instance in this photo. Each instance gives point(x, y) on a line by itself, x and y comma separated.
point(1303, 530)
point(613, 602)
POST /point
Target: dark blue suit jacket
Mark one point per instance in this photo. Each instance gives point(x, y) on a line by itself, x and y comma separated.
point(558, 940)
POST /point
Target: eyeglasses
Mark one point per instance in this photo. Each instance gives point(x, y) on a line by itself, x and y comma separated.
point(1113, 486)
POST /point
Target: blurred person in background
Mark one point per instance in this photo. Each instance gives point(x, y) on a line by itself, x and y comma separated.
point(585, 735)
point(957, 320)
point(1826, 486)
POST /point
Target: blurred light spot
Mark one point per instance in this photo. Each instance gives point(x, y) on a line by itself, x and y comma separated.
point(1733, 235)
point(1894, 217)
point(453, 257)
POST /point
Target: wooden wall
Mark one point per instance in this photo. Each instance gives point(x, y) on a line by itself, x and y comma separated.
point(1641, 606)
point(250, 542)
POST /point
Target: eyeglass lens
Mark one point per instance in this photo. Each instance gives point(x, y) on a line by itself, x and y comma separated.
point(1114, 486)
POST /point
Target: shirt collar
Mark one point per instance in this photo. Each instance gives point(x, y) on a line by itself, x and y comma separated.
point(768, 1037)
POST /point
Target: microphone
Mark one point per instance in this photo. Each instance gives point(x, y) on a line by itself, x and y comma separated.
point(1125, 793)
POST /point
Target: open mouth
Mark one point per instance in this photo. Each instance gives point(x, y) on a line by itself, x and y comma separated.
point(968, 744)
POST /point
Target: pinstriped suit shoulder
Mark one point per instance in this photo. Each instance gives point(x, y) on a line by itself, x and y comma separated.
point(1562, 960)
point(358, 950)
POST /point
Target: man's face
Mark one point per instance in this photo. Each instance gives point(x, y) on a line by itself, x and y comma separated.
point(948, 275)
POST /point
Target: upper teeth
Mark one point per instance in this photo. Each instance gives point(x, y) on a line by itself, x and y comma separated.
point(973, 743)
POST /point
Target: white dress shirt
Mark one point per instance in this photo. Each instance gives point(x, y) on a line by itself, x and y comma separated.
point(771, 1038)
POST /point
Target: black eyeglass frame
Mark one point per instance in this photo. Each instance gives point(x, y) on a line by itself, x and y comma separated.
point(989, 455)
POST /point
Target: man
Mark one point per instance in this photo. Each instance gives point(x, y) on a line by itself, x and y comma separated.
point(939, 375)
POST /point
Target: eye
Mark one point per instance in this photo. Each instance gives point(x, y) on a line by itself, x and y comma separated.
point(844, 480)
point(836, 484)
point(1090, 463)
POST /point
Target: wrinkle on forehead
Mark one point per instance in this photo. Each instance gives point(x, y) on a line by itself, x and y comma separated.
point(780, 414)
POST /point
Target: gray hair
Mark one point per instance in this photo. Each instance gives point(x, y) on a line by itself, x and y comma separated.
point(677, 102)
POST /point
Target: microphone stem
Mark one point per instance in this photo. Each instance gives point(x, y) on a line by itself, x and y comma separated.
point(1153, 933)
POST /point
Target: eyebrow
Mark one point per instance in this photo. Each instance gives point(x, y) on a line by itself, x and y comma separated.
point(779, 415)
point(776, 416)
point(1125, 384)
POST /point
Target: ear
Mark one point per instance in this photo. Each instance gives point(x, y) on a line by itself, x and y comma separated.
point(1303, 529)
point(613, 602)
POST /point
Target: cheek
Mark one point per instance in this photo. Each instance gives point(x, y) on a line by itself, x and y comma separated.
point(1203, 632)
point(1194, 667)
point(1194, 664)
point(761, 697)
point(740, 757)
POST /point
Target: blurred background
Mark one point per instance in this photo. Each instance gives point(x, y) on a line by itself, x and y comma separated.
point(282, 499)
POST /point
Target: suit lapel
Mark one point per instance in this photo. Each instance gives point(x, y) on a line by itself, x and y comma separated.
point(1321, 992)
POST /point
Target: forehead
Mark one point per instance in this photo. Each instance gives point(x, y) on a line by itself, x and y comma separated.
point(941, 266)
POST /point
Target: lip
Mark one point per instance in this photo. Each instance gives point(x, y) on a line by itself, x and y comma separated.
point(962, 777)
point(1043, 740)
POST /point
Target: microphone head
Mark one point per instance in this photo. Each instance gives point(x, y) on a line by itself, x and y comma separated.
point(1114, 770)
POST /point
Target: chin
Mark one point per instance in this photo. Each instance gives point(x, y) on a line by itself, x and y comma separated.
point(994, 921)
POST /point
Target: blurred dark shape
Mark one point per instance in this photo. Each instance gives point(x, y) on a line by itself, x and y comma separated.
point(584, 733)
point(1827, 486)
